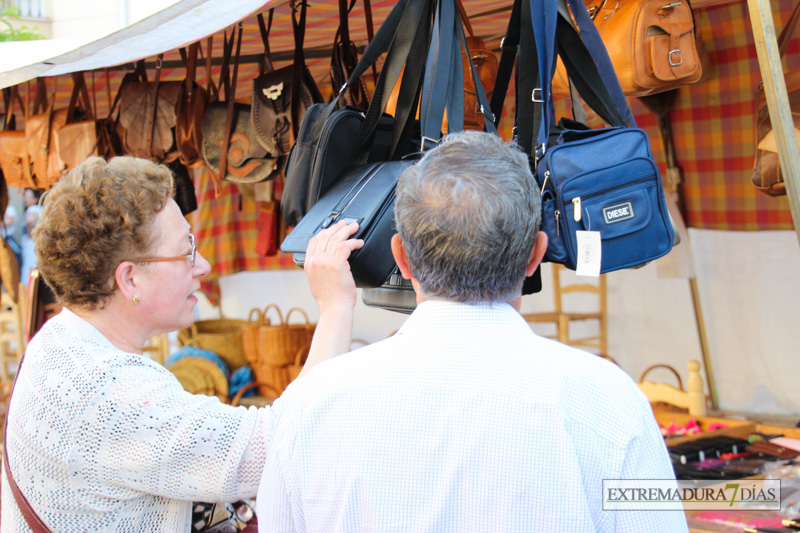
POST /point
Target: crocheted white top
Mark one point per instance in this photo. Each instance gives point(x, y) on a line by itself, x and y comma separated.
point(103, 440)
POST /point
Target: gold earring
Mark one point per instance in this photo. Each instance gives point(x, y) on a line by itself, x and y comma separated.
point(135, 300)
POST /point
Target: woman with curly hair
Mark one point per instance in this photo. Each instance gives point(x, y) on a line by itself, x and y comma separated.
point(98, 437)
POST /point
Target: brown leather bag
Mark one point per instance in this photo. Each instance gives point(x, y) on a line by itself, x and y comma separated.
point(652, 45)
point(40, 134)
point(14, 159)
point(230, 148)
point(281, 97)
point(78, 140)
point(767, 176)
point(147, 113)
point(190, 109)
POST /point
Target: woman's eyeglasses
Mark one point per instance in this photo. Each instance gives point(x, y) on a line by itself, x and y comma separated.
point(187, 257)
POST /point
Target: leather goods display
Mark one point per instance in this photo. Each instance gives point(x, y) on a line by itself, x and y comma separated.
point(14, 159)
point(651, 43)
point(767, 176)
point(345, 58)
point(147, 113)
point(191, 107)
point(599, 184)
point(364, 194)
point(281, 97)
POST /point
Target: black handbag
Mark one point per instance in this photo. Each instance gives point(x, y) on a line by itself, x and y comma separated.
point(365, 192)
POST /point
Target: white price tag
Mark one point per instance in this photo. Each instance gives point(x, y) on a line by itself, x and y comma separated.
point(589, 253)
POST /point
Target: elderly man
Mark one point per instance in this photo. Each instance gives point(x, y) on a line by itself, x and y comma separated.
point(465, 420)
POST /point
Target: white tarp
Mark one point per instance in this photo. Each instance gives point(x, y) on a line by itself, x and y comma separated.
point(175, 26)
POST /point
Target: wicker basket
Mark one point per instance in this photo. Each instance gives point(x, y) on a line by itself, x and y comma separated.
point(278, 344)
point(250, 331)
point(281, 350)
point(222, 336)
point(200, 376)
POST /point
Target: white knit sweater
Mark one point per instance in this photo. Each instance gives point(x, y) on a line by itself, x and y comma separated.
point(104, 440)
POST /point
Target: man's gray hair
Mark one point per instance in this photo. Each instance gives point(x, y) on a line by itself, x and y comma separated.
point(468, 213)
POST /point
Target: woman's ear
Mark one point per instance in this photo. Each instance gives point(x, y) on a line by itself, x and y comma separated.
point(399, 254)
point(125, 279)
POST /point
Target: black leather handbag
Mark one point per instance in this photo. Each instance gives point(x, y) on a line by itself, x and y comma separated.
point(363, 194)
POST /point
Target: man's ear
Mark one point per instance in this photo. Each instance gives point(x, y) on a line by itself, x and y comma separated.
point(399, 254)
point(125, 279)
point(537, 253)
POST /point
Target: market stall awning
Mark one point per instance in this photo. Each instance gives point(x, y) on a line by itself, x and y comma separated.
point(173, 27)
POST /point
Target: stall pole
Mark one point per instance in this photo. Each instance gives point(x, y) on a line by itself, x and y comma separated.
point(780, 113)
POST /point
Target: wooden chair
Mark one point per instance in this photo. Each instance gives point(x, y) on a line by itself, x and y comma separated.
point(694, 399)
point(562, 317)
point(12, 331)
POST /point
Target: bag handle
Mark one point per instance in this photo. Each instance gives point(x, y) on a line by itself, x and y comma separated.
point(230, 99)
point(786, 33)
point(154, 111)
point(299, 310)
point(662, 365)
point(264, 30)
point(259, 316)
point(277, 310)
point(31, 518)
point(404, 34)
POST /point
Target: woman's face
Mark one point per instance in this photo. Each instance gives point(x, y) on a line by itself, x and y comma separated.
point(166, 296)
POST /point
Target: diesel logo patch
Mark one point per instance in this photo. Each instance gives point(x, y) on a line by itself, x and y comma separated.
point(618, 212)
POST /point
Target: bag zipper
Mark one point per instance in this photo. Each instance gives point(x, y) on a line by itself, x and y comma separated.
point(360, 184)
point(576, 201)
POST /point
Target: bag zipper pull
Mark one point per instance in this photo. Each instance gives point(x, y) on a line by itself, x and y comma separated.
point(546, 177)
point(577, 203)
point(558, 222)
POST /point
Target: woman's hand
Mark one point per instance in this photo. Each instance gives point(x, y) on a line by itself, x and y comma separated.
point(327, 269)
point(334, 289)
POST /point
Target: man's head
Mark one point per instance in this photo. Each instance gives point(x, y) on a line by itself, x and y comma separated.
point(467, 215)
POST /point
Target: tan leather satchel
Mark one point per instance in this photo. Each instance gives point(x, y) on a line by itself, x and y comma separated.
point(78, 140)
point(147, 113)
point(191, 107)
point(652, 45)
point(40, 133)
point(14, 159)
point(767, 176)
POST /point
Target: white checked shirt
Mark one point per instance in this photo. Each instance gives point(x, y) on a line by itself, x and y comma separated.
point(463, 421)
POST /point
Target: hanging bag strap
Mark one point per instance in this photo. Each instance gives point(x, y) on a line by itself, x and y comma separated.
point(31, 518)
point(264, 29)
point(788, 30)
point(230, 98)
point(407, 24)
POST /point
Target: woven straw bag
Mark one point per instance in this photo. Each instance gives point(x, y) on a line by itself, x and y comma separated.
point(222, 336)
point(250, 343)
point(279, 348)
point(200, 376)
point(278, 344)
